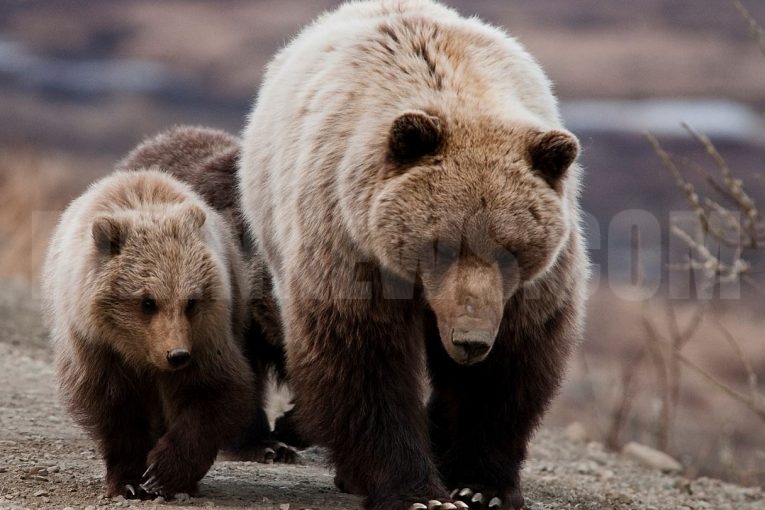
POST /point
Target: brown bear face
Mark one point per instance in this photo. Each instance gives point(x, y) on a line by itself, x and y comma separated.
point(157, 282)
point(473, 210)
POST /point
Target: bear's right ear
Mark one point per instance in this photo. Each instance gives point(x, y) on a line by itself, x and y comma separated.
point(108, 235)
point(414, 134)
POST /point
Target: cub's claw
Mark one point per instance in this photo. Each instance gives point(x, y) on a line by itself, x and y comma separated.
point(129, 488)
point(434, 504)
point(478, 498)
point(461, 504)
point(152, 485)
point(148, 470)
point(495, 503)
point(418, 506)
point(269, 455)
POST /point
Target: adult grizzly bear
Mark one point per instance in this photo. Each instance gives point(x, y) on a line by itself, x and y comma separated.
point(207, 159)
point(146, 299)
point(407, 175)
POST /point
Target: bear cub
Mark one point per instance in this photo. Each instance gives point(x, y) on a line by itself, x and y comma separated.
point(145, 291)
point(207, 159)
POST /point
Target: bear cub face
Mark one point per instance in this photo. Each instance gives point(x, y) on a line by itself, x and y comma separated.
point(152, 310)
point(472, 209)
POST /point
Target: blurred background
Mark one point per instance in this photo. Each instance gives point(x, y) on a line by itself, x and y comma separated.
point(81, 82)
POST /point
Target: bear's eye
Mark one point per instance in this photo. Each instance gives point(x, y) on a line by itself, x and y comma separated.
point(148, 305)
point(507, 259)
point(191, 305)
point(446, 253)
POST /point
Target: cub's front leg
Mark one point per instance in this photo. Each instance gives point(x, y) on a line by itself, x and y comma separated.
point(202, 413)
point(116, 407)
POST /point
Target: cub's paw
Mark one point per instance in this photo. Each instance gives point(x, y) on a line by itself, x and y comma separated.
point(128, 490)
point(171, 472)
point(481, 498)
point(267, 452)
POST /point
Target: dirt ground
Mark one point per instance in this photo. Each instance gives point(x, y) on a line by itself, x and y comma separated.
point(46, 462)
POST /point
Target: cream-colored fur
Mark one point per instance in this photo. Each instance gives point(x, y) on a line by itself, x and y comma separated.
point(328, 85)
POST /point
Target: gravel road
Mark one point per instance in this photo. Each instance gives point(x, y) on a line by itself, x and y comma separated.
point(46, 462)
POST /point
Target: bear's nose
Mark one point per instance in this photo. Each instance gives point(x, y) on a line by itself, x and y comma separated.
point(178, 358)
point(475, 345)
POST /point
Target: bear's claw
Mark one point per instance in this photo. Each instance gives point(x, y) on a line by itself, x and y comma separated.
point(488, 499)
point(477, 500)
point(152, 485)
point(435, 504)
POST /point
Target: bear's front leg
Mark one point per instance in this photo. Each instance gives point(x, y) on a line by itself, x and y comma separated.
point(117, 408)
point(201, 415)
point(125, 440)
point(482, 416)
point(357, 376)
point(183, 455)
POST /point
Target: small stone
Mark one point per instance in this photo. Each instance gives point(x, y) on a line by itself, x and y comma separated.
point(606, 474)
point(576, 433)
point(41, 492)
point(68, 508)
point(182, 496)
point(651, 458)
point(285, 506)
point(90, 507)
point(159, 499)
point(9, 496)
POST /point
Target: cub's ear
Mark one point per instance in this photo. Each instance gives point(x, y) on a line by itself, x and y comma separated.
point(109, 235)
point(196, 215)
point(414, 134)
point(551, 153)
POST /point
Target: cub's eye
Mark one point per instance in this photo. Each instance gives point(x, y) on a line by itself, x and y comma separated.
point(191, 305)
point(148, 305)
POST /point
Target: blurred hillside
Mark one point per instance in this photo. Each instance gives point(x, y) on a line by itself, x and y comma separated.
point(81, 82)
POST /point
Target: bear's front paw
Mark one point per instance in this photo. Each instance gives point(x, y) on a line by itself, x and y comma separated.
point(480, 498)
point(171, 471)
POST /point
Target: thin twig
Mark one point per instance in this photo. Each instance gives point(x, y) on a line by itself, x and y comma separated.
point(754, 392)
point(758, 33)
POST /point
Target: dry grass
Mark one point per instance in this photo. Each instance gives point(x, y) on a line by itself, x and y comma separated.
point(34, 189)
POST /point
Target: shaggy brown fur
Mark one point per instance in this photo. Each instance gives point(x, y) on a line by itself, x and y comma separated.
point(415, 195)
point(145, 293)
point(207, 159)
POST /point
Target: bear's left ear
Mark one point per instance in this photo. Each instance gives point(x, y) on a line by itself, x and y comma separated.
point(551, 153)
point(108, 235)
point(414, 134)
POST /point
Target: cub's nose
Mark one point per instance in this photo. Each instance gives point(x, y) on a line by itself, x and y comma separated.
point(178, 358)
point(474, 344)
